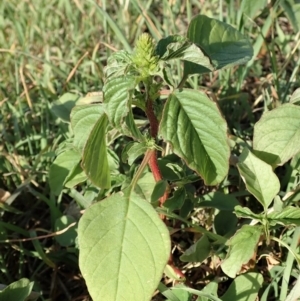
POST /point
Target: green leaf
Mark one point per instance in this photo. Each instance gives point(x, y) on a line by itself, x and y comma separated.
point(259, 178)
point(117, 95)
point(186, 208)
point(193, 125)
point(241, 248)
point(75, 176)
point(118, 92)
point(135, 150)
point(245, 212)
point(68, 237)
point(113, 161)
point(176, 201)
point(130, 127)
point(62, 166)
point(245, 287)
point(225, 223)
point(291, 9)
point(83, 119)
point(211, 288)
point(219, 201)
point(289, 215)
point(224, 45)
point(209, 296)
point(198, 252)
point(117, 64)
point(295, 98)
point(63, 106)
point(95, 162)
point(17, 291)
point(178, 47)
point(145, 186)
point(277, 135)
point(159, 190)
point(124, 247)
point(170, 167)
point(181, 294)
point(251, 8)
point(167, 292)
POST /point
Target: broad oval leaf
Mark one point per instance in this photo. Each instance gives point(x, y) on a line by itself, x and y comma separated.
point(224, 45)
point(124, 247)
point(210, 288)
point(259, 178)
point(176, 201)
point(145, 186)
point(95, 161)
point(118, 64)
point(245, 287)
point(251, 8)
point(76, 176)
point(134, 150)
point(225, 223)
point(68, 237)
point(277, 135)
point(192, 123)
point(83, 119)
point(118, 93)
point(218, 200)
point(63, 106)
point(241, 248)
point(18, 290)
point(61, 168)
point(159, 190)
point(198, 252)
point(178, 47)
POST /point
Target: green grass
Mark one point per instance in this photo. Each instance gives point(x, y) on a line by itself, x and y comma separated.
point(50, 47)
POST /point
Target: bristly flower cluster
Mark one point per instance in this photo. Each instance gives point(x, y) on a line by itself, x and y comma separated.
point(144, 58)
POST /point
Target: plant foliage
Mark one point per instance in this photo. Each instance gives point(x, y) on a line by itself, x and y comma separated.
point(152, 155)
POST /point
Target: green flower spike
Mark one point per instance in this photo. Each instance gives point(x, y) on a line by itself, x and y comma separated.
point(144, 58)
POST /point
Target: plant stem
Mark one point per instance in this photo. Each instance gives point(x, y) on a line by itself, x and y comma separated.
point(175, 269)
point(152, 118)
point(141, 168)
point(182, 82)
point(294, 254)
point(153, 163)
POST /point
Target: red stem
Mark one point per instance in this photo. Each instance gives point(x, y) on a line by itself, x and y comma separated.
point(175, 269)
point(153, 163)
point(152, 119)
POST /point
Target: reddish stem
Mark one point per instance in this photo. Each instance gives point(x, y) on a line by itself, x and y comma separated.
point(154, 166)
point(175, 269)
point(153, 163)
point(152, 119)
